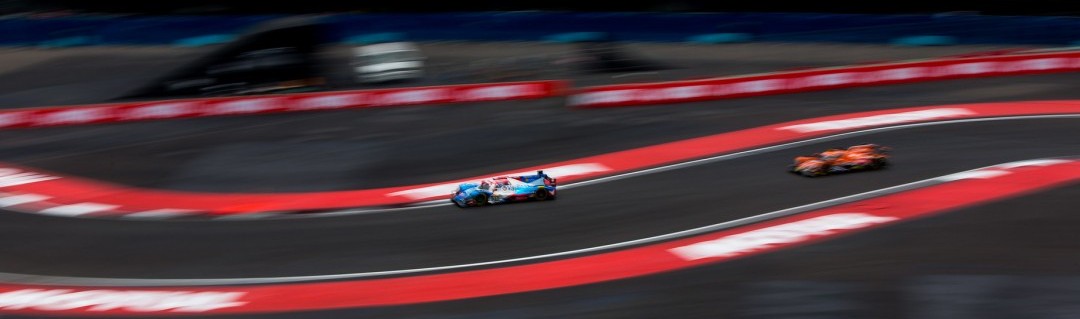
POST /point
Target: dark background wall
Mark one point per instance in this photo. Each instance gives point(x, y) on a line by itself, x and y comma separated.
point(990, 7)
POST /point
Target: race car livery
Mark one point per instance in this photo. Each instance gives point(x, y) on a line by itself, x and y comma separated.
point(839, 160)
point(505, 189)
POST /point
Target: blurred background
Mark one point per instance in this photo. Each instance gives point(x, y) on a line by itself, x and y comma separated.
point(1015, 259)
point(991, 7)
point(458, 43)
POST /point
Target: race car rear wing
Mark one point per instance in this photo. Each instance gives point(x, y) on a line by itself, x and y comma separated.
point(546, 177)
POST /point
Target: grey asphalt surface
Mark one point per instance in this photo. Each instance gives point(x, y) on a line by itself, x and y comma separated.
point(410, 145)
point(880, 274)
point(1008, 259)
point(583, 217)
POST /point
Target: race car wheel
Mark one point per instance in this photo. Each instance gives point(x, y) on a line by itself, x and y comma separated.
point(481, 200)
point(812, 173)
point(879, 164)
point(542, 194)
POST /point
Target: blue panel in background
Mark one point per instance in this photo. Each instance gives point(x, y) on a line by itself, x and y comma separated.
point(564, 27)
point(924, 40)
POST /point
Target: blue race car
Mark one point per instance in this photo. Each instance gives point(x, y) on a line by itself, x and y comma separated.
point(505, 189)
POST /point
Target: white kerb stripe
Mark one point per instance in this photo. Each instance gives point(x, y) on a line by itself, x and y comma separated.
point(1038, 162)
point(13, 200)
point(161, 213)
point(251, 216)
point(980, 174)
point(77, 209)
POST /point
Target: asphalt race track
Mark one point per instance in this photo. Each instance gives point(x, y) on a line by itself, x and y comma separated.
point(951, 266)
point(1014, 250)
point(405, 146)
point(583, 217)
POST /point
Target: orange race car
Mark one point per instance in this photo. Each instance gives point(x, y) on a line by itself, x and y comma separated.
point(839, 160)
